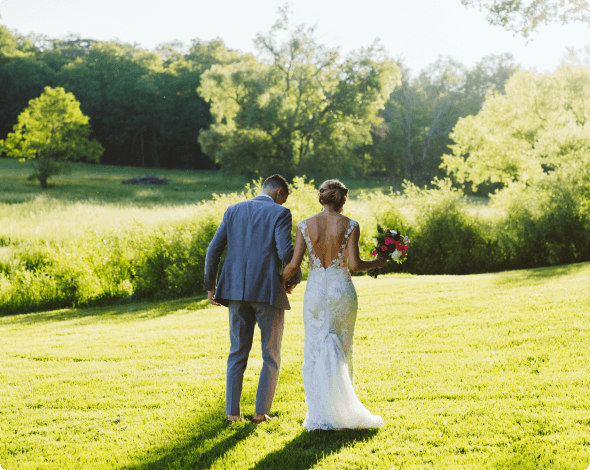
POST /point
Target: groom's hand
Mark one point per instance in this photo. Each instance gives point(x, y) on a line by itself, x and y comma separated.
point(211, 295)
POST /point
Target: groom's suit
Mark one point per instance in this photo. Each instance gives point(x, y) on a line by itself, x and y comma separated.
point(257, 234)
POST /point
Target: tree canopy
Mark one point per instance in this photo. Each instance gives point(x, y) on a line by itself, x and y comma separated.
point(144, 106)
point(421, 113)
point(525, 16)
point(538, 126)
point(303, 109)
point(52, 125)
point(299, 107)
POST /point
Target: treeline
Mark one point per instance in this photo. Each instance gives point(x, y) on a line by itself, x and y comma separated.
point(143, 106)
point(299, 108)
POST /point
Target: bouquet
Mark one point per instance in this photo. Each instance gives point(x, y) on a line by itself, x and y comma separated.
point(389, 244)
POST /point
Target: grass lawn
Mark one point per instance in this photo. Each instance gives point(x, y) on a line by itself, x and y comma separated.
point(474, 372)
point(102, 184)
point(93, 198)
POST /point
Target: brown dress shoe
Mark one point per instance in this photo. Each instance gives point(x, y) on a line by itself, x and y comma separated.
point(264, 419)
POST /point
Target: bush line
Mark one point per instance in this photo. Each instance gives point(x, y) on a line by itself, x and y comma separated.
point(527, 229)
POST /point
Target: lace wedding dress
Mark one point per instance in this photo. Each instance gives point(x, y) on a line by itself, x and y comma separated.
point(329, 314)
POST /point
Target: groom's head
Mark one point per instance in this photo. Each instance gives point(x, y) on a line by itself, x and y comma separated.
point(276, 187)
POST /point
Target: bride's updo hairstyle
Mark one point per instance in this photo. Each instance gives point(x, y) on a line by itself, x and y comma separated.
point(333, 192)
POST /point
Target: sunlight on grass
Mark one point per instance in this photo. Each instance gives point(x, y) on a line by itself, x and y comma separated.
point(94, 198)
point(156, 194)
point(485, 372)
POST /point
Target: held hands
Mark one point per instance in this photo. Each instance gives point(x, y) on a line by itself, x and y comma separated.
point(287, 285)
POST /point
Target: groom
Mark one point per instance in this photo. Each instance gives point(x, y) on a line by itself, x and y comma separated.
point(257, 234)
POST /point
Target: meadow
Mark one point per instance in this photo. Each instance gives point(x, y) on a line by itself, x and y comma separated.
point(475, 372)
point(92, 197)
point(90, 240)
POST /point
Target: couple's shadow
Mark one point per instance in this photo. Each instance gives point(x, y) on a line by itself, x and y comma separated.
point(301, 453)
point(308, 448)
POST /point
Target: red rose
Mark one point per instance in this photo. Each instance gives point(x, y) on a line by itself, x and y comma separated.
point(384, 248)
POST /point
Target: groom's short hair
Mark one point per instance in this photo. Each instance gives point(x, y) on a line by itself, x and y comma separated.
point(276, 182)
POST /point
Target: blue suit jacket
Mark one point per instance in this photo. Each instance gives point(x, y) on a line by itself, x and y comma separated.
point(257, 234)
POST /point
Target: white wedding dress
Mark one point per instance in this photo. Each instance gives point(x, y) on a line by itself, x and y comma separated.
point(329, 314)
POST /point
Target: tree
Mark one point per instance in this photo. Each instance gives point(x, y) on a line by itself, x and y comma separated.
point(22, 77)
point(540, 125)
point(50, 131)
point(420, 114)
point(524, 17)
point(302, 110)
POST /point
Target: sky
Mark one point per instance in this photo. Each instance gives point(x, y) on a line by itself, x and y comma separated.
point(419, 31)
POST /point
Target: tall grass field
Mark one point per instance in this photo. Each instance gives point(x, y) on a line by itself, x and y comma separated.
point(474, 372)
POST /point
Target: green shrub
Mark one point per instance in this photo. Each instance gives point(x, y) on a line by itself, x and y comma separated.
point(544, 225)
point(155, 261)
point(529, 226)
point(444, 237)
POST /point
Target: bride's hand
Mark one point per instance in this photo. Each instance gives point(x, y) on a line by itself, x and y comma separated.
point(381, 261)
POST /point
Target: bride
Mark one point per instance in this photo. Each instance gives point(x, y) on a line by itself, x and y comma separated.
point(329, 313)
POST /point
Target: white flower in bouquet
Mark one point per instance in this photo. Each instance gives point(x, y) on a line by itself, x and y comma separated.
point(396, 255)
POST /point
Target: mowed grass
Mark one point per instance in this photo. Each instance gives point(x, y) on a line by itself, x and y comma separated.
point(468, 372)
point(103, 184)
point(92, 198)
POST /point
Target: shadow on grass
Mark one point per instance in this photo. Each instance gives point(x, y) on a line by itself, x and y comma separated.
point(119, 312)
point(210, 440)
point(195, 452)
point(308, 448)
point(541, 274)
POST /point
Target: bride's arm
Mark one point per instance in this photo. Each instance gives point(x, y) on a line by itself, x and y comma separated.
point(291, 269)
point(354, 258)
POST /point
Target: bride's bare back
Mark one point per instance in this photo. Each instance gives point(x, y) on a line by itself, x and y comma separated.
point(327, 232)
